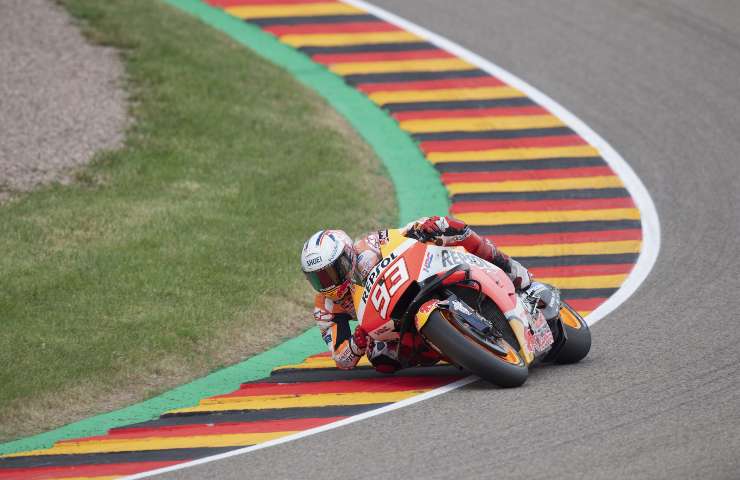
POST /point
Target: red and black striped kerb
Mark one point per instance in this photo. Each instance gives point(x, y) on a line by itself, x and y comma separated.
point(514, 171)
point(293, 399)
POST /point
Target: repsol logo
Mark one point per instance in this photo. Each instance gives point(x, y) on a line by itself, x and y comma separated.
point(452, 257)
point(374, 274)
point(313, 261)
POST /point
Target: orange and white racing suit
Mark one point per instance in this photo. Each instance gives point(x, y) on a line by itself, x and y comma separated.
point(333, 316)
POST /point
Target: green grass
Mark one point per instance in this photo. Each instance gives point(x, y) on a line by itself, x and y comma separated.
point(179, 252)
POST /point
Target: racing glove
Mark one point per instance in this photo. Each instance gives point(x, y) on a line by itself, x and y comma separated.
point(436, 226)
point(358, 343)
point(519, 275)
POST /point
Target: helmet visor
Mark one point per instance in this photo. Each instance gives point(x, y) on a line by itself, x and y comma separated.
point(331, 276)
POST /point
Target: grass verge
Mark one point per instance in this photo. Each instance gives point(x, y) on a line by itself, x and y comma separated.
point(178, 253)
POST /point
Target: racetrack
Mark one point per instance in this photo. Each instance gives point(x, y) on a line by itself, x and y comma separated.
point(659, 395)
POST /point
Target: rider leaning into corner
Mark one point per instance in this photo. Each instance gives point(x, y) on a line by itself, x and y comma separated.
point(334, 264)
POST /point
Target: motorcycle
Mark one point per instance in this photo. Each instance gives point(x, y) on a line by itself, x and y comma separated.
point(465, 309)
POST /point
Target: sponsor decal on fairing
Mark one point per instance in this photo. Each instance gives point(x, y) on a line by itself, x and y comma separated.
point(376, 272)
point(384, 332)
point(455, 257)
point(428, 261)
point(383, 237)
point(460, 307)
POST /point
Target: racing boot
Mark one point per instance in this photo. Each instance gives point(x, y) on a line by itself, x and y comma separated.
point(545, 298)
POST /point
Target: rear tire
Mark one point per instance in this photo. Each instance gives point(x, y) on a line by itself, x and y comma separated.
point(577, 339)
point(467, 352)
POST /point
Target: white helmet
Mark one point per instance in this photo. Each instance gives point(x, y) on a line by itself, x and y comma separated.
point(328, 260)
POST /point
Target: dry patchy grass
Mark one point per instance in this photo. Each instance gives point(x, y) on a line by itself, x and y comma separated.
point(180, 254)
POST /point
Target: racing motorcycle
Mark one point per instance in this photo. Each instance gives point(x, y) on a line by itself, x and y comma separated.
point(466, 310)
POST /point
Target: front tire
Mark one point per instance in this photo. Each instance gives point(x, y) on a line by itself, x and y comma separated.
point(465, 350)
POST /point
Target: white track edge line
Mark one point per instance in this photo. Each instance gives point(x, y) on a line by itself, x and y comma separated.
point(312, 431)
point(649, 215)
point(649, 219)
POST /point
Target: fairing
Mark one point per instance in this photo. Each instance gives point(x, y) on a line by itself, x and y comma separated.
point(406, 261)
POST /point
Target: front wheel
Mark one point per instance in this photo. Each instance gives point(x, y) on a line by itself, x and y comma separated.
point(577, 341)
point(466, 349)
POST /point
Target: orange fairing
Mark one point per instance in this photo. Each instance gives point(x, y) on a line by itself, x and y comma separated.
point(387, 282)
point(392, 239)
point(569, 319)
point(497, 286)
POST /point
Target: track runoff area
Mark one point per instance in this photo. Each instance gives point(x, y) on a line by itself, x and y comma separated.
point(518, 167)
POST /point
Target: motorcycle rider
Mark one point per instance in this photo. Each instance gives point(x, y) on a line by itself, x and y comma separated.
point(332, 263)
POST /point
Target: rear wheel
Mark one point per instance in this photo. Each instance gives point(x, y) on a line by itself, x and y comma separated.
point(469, 350)
point(577, 336)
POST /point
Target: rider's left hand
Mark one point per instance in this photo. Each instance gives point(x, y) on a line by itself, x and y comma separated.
point(359, 341)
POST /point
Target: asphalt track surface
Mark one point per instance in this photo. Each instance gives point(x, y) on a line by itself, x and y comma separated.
point(659, 395)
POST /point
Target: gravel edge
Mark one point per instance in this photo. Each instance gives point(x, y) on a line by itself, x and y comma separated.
point(61, 98)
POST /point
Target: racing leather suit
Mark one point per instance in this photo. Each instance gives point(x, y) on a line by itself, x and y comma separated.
point(333, 316)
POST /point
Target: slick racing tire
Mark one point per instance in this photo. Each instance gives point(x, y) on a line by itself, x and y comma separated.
point(577, 336)
point(467, 350)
